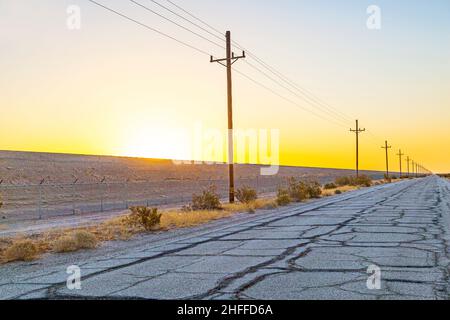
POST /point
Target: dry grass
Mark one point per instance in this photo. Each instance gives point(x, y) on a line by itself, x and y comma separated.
point(331, 192)
point(74, 241)
point(25, 248)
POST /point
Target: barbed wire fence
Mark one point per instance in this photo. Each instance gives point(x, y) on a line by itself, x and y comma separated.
point(46, 199)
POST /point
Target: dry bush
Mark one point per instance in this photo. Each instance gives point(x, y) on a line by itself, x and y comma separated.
point(65, 243)
point(302, 190)
point(85, 239)
point(314, 189)
point(208, 200)
point(330, 186)
point(283, 197)
point(298, 190)
point(21, 250)
point(148, 218)
point(344, 181)
point(246, 195)
point(74, 241)
point(362, 180)
point(337, 191)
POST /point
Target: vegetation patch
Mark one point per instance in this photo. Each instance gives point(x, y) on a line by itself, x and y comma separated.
point(246, 195)
point(207, 200)
point(361, 180)
point(147, 218)
point(22, 250)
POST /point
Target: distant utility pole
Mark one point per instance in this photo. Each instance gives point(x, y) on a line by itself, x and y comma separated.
point(357, 131)
point(386, 147)
point(400, 155)
point(228, 62)
point(408, 161)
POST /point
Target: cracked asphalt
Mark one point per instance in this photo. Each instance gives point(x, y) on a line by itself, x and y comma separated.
point(317, 250)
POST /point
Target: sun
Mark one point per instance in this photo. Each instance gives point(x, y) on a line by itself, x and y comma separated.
point(156, 143)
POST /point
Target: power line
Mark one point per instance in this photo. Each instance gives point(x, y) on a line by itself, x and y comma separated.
point(187, 20)
point(150, 28)
point(303, 91)
point(195, 17)
point(306, 94)
point(205, 53)
point(292, 91)
point(177, 24)
point(284, 98)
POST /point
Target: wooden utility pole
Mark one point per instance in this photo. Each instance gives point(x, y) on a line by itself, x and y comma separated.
point(408, 161)
point(386, 147)
point(400, 155)
point(228, 62)
point(357, 131)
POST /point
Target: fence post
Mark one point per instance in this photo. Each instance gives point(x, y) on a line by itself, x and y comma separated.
point(126, 194)
point(40, 202)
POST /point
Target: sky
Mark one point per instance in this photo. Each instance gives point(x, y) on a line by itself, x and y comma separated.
point(113, 87)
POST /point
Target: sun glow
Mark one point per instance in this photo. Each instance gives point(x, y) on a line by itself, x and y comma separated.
point(155, 143)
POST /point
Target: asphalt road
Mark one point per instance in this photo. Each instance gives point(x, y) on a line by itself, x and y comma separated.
point(319, 250)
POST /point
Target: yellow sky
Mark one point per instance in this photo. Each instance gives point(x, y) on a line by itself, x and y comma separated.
point(114, 88)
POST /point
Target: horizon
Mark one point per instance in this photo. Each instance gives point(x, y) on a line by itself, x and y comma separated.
point(205, 162)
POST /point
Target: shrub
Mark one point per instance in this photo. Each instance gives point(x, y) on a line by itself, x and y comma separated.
point(298, 190)
point(85, 239)
point(329, 186)
point(301, 190)
point(208, 200)
point(394, 177)
point(22, 250)
point(283, 198)
point(246, 195)
point(65, 243)
point(314, 189)
point(337, 191)
point(344, 181)
point(363, 180)
point(148, 218)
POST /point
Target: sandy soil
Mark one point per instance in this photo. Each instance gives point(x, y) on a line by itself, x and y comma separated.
point(126, 182)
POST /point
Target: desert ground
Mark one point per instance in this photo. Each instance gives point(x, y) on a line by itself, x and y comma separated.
point(44, 185)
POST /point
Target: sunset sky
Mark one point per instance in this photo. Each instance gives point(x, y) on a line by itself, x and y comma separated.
point(116, 88)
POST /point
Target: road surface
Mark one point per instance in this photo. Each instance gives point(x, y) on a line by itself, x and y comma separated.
point(318, 250)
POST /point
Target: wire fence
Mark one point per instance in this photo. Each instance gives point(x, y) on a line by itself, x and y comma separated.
point(46, 200)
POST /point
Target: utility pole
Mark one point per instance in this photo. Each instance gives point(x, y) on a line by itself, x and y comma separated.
point(400, 155)
point(387, 157)
point(408, 161)
point(228, 62)
point(357, 131)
